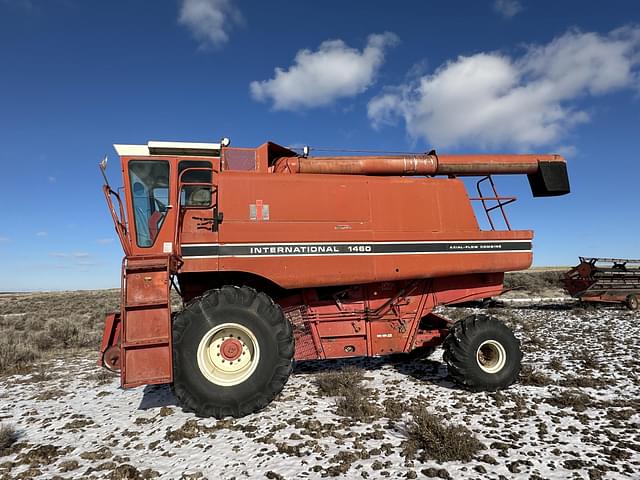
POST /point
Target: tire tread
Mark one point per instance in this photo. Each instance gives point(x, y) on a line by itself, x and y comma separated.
point(458, 351)
point(199, 309)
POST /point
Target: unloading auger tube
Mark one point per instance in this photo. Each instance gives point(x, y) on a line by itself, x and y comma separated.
point(547, 173)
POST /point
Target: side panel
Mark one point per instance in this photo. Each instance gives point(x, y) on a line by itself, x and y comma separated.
point(321, 230)
point(293, 208)
point(379, 318)
point(421, 206)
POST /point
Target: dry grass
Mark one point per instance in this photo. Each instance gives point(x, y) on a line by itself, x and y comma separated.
point(8, 436)
point(536, 282)
point(534, 378)
point(574, 399)
point(358, 406)
point(35, 327)
point(340, 382)
point(430, 438)
point(354, 401)
point(393, 409)
point(15, 353)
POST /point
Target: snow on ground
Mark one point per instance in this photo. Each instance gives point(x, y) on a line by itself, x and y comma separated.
point(575, 414)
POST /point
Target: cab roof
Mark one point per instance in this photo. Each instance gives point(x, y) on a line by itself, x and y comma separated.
point(184, 149)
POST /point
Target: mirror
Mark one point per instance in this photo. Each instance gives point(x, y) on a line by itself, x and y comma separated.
point(103, 169)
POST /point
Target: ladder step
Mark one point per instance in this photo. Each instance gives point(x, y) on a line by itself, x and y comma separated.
point(147, 263)
point(157, 304)
point(146, 268)
point(154, 342)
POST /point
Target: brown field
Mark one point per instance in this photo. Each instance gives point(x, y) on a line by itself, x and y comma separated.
point(574, 414)
point(37, 327)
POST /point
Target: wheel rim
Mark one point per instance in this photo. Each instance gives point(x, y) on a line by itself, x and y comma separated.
point(111, 358)
point(491, 356)
point(228, 354)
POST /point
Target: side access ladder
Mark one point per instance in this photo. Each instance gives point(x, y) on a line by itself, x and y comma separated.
point(145, 343)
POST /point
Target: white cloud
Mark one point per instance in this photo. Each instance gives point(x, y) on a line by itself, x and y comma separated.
point(86, 263)
point(507, 8)
point(492, 100)
point(567, 151)
point(104, 241)
point(209, 20)
point(52, 179)
point(75, 260)
point(320, 77)
point(41, 234)
point(4, 239)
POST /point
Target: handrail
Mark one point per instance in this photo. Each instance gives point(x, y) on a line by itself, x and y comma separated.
point(119, 221)
point(497, 198)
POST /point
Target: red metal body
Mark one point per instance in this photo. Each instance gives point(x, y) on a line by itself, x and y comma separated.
point(379, 318)
point(355, 250)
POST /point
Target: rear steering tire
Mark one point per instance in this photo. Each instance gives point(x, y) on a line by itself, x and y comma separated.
point(233, 352)
point(482, 353)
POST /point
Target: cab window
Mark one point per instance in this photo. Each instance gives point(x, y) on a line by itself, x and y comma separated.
point(150, 195)
point(195, 195)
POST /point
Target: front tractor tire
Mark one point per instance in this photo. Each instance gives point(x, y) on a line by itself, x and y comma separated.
point(232, 352)
point(482, 354)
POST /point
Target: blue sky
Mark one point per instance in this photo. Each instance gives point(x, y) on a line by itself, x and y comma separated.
point(477, 76)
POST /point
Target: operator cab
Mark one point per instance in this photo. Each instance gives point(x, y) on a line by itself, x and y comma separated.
point(172, 190)
point(152, 174)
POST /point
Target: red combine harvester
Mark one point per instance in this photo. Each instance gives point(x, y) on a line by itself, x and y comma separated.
point(607, 280)
point(280, 256)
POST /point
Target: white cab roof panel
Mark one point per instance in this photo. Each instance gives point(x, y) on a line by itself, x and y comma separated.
point(169, 148)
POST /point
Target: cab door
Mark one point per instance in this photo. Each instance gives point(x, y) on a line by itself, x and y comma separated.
point(149, 211)
point(199, 221)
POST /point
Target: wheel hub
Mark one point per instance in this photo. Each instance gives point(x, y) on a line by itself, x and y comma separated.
point(111, 358)
point(491, 356)
point(228, 354)
point(231, 349)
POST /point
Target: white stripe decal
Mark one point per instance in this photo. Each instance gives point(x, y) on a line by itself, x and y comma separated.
point(299, 249)
point(349, 243)
point(347, 254)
